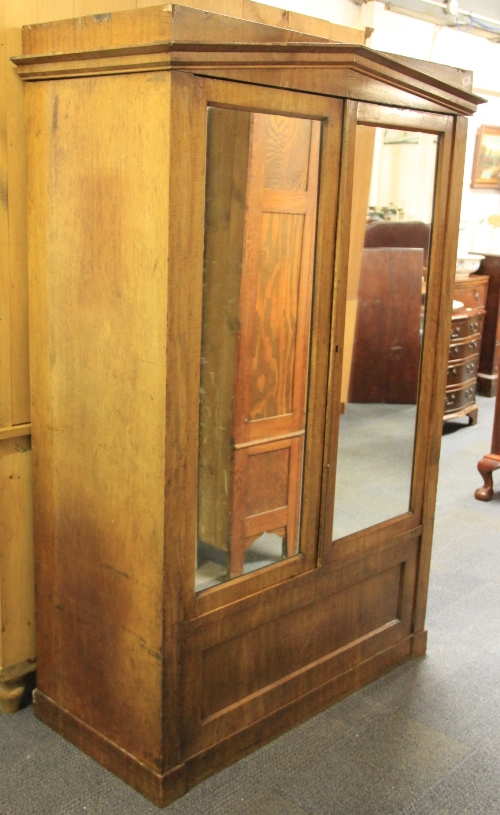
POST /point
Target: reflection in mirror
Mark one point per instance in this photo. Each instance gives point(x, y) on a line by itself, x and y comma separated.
point(260, 217)
point(389, 247)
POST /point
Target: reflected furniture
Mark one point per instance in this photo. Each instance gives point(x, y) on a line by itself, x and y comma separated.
point(489, 359)
point(465, 346)
point(490, 462)
point(252, 420)
point(410, 234)
point(161, 683)
point(386, 355)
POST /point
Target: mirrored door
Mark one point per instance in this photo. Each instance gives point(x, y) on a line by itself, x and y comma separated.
point(391, 235)
point(260, 226)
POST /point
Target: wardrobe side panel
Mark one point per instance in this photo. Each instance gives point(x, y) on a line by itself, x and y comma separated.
point(98, 223)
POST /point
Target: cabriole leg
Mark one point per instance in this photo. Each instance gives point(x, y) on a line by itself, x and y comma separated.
point(486, 466)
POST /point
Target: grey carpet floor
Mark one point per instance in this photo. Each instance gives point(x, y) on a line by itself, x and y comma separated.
point(424, 740)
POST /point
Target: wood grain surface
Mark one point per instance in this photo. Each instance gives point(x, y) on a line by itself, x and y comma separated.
point(161, 685)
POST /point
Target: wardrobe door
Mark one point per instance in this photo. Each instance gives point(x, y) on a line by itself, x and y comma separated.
point(259, 342)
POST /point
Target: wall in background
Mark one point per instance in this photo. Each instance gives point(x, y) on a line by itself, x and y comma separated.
point(399, 34)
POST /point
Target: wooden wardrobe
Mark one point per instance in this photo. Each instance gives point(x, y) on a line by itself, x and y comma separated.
point(190, 198)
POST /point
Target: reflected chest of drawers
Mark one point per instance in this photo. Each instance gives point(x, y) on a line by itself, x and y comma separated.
point(465, 346)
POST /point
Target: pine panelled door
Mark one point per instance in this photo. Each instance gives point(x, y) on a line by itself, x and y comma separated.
point(191, 207)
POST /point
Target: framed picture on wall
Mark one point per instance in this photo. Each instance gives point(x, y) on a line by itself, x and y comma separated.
point(486, 165)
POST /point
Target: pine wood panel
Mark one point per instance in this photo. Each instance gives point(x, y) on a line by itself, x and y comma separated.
point(17, 613)
point(5, 339)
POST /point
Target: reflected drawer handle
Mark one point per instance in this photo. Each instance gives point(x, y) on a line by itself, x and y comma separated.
point(453, 371)
point(470, 368)
point(476, 295)
point(450, 399)
point(474, 326)
point(456, 349)
point(454, 335)
point(473, 345)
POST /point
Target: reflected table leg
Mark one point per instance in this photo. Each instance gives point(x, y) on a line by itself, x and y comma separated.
point(486, 466)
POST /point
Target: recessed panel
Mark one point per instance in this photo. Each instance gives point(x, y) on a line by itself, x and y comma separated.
point(236, 668)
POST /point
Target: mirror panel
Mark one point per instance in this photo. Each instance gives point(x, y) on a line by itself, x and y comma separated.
point(385, 316)
point(260, 220)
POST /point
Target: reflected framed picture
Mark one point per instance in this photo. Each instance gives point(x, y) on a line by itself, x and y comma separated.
point(486, 165)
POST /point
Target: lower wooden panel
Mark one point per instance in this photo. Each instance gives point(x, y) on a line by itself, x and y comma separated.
point(248, 739)
point(164, 788)
point(256, 659)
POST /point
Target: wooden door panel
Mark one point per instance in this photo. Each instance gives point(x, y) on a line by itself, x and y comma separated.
point(266, 496)
point(276, 278)
point(275, 327)
point(287, 153)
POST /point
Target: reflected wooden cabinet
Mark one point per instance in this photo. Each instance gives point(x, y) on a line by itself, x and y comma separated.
point(254, 360)
point(465, 347)
point(190, 215)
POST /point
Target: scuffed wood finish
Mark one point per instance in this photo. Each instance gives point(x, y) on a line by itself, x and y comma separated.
point(272, 627)
point(162, 685)
point(174, 22)
point(99, 321)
